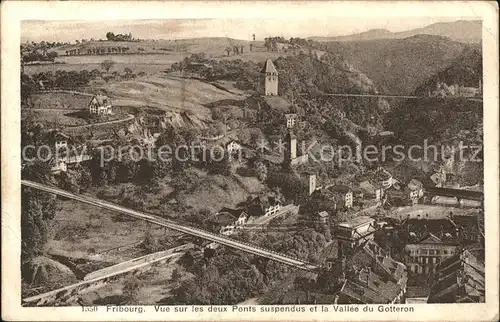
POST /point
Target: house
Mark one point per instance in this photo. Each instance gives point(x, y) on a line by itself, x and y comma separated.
point(415, 190)
point(354, 232)
point(291, 120)
point(343, 196)
point(240, 216)
point(263, 206)
point(459, 279)
point(100, 105)
point(223, 222)
point(227, 221)
point(430, 241)
point(372, 277)
point(58, 139)
point(323, 217)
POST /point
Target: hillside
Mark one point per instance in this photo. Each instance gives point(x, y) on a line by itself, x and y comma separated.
point(399, 66)
point(445, 122)
point(183, 99)
point(466, 70)
point(443, 119)
point(462, 30)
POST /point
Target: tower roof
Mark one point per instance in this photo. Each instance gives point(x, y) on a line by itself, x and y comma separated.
point(269, 67)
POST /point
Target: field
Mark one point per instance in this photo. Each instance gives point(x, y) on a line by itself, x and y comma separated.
point(84, 231)
point(210, 46)
point(185, 99)
point(158, 55)
point(67, 118)
point(55, 118)
point(61, 100)
point(138, 63)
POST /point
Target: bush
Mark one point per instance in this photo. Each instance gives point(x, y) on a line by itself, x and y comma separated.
point(246, 172)
point(131, 288)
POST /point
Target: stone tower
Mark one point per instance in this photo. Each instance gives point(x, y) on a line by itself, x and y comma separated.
point(290, 147)
point(271, 79)
point(312, 183)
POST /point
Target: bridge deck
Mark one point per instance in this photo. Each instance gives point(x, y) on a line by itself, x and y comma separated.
point(243, 246)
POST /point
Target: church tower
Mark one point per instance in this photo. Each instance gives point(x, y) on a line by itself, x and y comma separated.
point(271, 79)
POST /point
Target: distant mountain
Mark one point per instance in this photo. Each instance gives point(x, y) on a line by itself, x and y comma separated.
point(462, 30)
point(399, 66)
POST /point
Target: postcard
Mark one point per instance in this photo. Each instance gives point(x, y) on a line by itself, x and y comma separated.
point(252, 161)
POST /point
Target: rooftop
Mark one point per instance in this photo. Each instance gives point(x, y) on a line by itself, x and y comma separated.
point(269, 67)
point(234, 212)
point(223, 218)
point(101, 99)
point(323, 214)
point(459, 278)
point(415, 184)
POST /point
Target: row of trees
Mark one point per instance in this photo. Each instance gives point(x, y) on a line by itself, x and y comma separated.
point(70, 80)
point(118, 37)
point(245, 73)
point(236, 50)
point(97, 51)
point(35, 55)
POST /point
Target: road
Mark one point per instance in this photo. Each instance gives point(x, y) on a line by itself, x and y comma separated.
point(128, 118)
point(243, 246)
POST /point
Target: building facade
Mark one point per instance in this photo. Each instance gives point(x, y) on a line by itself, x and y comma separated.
point(423, 257)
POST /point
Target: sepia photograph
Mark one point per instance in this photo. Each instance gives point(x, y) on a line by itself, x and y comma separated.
point(253, 165)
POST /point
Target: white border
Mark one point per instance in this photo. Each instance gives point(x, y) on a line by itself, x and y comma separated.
point(13, 12)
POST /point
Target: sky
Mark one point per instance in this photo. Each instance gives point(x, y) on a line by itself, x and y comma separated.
point(60, 30)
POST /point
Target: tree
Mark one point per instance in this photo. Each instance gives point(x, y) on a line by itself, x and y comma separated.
point(85, 179)
point(218, 163)
point(228, 50)
point(37, 212)
point(176, 275)
point(261, 171)
point(150, 243)
point(107, 64)
point(110, 36)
